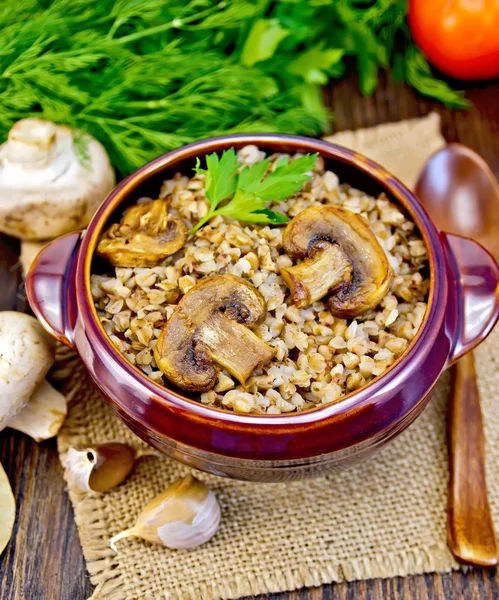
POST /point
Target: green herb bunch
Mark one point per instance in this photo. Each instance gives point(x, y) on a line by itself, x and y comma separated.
point(243, 193)
point(146, 76)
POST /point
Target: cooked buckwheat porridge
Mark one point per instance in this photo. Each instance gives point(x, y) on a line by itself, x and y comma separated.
point(316, 357)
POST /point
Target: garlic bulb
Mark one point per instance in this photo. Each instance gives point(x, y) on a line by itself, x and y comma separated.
point(185, 515)
point(100, 468)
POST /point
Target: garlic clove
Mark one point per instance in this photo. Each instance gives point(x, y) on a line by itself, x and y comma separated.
point(184, 516)
point(99, 468)
point(7, 510)
point(44, 414)
point(203, 527)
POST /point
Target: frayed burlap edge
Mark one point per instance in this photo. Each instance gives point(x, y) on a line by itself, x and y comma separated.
point(109, 586)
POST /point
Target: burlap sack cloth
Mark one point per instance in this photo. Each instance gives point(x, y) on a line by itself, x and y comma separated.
point(383, 518)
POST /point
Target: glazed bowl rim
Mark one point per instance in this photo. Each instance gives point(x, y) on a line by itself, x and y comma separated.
point(355, 400)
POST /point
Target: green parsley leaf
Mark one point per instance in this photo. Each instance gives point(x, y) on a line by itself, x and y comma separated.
point(249, 208)
point(242, 206)
point(283, 182)
point(262, 41)
point(252, 174)
point(317, 64)
point(312, 101)
point(220, 182)
point(272, 216)
point(252, 188)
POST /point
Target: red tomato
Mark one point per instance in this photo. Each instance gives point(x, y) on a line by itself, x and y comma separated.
point(459, 37)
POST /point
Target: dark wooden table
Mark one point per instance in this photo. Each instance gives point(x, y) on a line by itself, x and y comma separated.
point(44, 561)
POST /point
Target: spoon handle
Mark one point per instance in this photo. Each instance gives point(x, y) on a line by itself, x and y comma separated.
point(472, 538)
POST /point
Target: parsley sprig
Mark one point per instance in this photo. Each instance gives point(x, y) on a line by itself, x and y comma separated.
point(243, 193)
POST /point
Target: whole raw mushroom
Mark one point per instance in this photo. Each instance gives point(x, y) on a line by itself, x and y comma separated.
point(28, 402)
point(52, 179)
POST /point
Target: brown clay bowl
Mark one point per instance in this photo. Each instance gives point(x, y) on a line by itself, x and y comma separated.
point(463, 307)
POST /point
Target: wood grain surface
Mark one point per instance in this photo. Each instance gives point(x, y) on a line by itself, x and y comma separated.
point(43, 561)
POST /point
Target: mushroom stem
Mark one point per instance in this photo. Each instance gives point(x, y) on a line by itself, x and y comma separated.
point(236, 349)
point(314, 278)
point(132, 532)
point(44, 414)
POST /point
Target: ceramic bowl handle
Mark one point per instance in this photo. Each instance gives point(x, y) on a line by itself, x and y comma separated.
point(474, 280)
point(50, 286)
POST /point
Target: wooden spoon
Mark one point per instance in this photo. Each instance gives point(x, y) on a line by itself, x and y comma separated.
point(462, 196)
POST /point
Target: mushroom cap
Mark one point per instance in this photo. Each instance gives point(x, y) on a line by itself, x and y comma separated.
point(46, 188)
point(209, 329)
point(26, 355)
point(342, 259)
point(146, 235)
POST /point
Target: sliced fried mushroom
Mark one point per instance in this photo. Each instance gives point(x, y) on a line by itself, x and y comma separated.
point(146, 235)
point(209, 329)
point(342, 259)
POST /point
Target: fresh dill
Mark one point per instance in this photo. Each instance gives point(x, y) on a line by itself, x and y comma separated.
point(80, 147)
point(146, 76)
